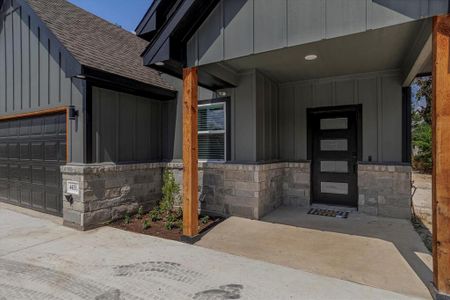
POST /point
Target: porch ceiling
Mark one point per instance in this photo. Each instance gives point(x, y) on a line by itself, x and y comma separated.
point(374, 50)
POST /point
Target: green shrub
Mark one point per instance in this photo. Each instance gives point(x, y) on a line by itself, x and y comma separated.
point(140, 212)
point(170, 192)
point(126, 219)
point(146, 225)
point(204, 220)
point(155, 215)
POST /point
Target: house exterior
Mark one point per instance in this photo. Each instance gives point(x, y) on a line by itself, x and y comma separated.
point(297, 105)
point(253, 104)
point(317, 94)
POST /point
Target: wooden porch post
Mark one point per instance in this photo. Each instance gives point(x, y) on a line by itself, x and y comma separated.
point(441, 155)
point(190, 152)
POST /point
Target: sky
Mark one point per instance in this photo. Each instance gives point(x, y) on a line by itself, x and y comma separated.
point(126, 13)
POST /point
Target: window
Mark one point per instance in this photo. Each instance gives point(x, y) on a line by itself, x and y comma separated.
point(212, 131)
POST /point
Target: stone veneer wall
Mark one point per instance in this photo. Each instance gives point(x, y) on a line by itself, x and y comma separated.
point(385, 190)
point(109, 191)
point(249, 190)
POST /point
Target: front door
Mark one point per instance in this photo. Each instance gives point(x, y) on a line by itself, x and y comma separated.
point(334, 151)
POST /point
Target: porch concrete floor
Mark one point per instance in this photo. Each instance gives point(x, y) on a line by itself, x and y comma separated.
point(40, 259)
point(379, 252)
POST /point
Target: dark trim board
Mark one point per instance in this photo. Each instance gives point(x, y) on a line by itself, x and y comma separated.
point(406, 125)
point(122, 84)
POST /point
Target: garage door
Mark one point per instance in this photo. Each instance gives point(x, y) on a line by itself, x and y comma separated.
point(31, 151)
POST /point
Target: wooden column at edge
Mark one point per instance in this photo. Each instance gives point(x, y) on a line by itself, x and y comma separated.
point(190, 152)
point(441, 153)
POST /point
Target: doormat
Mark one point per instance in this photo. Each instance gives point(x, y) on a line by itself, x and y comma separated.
point(328, 213)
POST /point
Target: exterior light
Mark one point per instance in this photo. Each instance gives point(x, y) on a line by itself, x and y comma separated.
point(73, 113)
point(311, 57)
point(159, 63)
point(80, 76)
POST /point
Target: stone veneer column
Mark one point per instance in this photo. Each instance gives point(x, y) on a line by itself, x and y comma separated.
point(385, 190)
point(107, 192)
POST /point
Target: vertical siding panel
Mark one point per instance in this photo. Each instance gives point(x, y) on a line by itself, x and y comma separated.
point(287, 123)
point(392, 121)
point(54, 83)
point(210, 37)
point(238, 28)
point(65, 82)
point(43, 69)
point(17, 48)
point(305, 21)
point(25, 62)
point(9, 63)
point(2, 67)
point(76, 127)
point(303, 96)
point(34, 64)
point(367, 96)
point(345, 92)
point(324, 94)
point(270, 25)
point(345, 17)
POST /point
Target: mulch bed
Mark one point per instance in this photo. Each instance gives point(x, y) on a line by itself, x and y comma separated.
point(158, 228)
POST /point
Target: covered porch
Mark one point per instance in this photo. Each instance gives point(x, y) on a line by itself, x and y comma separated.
point(326, 122)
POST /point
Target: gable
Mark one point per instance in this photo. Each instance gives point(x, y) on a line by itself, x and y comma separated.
point(35, 69)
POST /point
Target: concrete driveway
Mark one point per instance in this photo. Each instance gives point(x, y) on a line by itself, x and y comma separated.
point(40, 259)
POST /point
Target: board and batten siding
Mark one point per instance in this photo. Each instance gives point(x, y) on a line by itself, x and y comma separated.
point(237, 28)
point(125, 128)
point(380, 95)
point(33, 72)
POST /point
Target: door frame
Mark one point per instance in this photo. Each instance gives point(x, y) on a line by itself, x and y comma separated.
point(42, 112)
point(357, 108)
point(37, 113)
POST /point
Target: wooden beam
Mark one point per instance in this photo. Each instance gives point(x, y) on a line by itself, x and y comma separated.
point(190, 152)
point(441, 154)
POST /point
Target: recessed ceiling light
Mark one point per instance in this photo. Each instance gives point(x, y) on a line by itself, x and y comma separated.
point(159, 63)
point(311, 57)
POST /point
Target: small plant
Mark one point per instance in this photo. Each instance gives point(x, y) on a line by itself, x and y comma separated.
point(126, 219)
point(154, 215)
point(204, 220)
point(170, 221)
point(146, 225)
point(140, 212)
point(170, 192)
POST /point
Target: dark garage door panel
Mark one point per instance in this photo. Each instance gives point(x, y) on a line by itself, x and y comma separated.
point(31, 152)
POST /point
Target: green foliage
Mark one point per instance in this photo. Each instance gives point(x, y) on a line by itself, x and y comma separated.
point(204, 220)
point(170, 192)
point(126, 219)
point(421, 125)
point(422, 141)
point(146, 225)
point(155, 215)
point(140, 212)
point(425, 93)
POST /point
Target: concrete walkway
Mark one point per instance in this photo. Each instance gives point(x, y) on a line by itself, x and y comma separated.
point(39, 259)
point(379, 252)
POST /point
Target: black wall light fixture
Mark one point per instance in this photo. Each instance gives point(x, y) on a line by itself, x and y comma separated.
point(73, 113)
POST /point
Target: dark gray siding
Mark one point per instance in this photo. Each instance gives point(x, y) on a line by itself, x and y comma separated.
point(237, 28)
point(126, 128)
point(172, 119)
point(34, 71)
point(380, 95)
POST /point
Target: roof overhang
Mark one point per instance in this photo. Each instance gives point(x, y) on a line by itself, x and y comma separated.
point(167, 49)
point(125, 85)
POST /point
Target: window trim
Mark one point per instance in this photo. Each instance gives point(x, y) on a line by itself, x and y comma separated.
point(226, 131)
